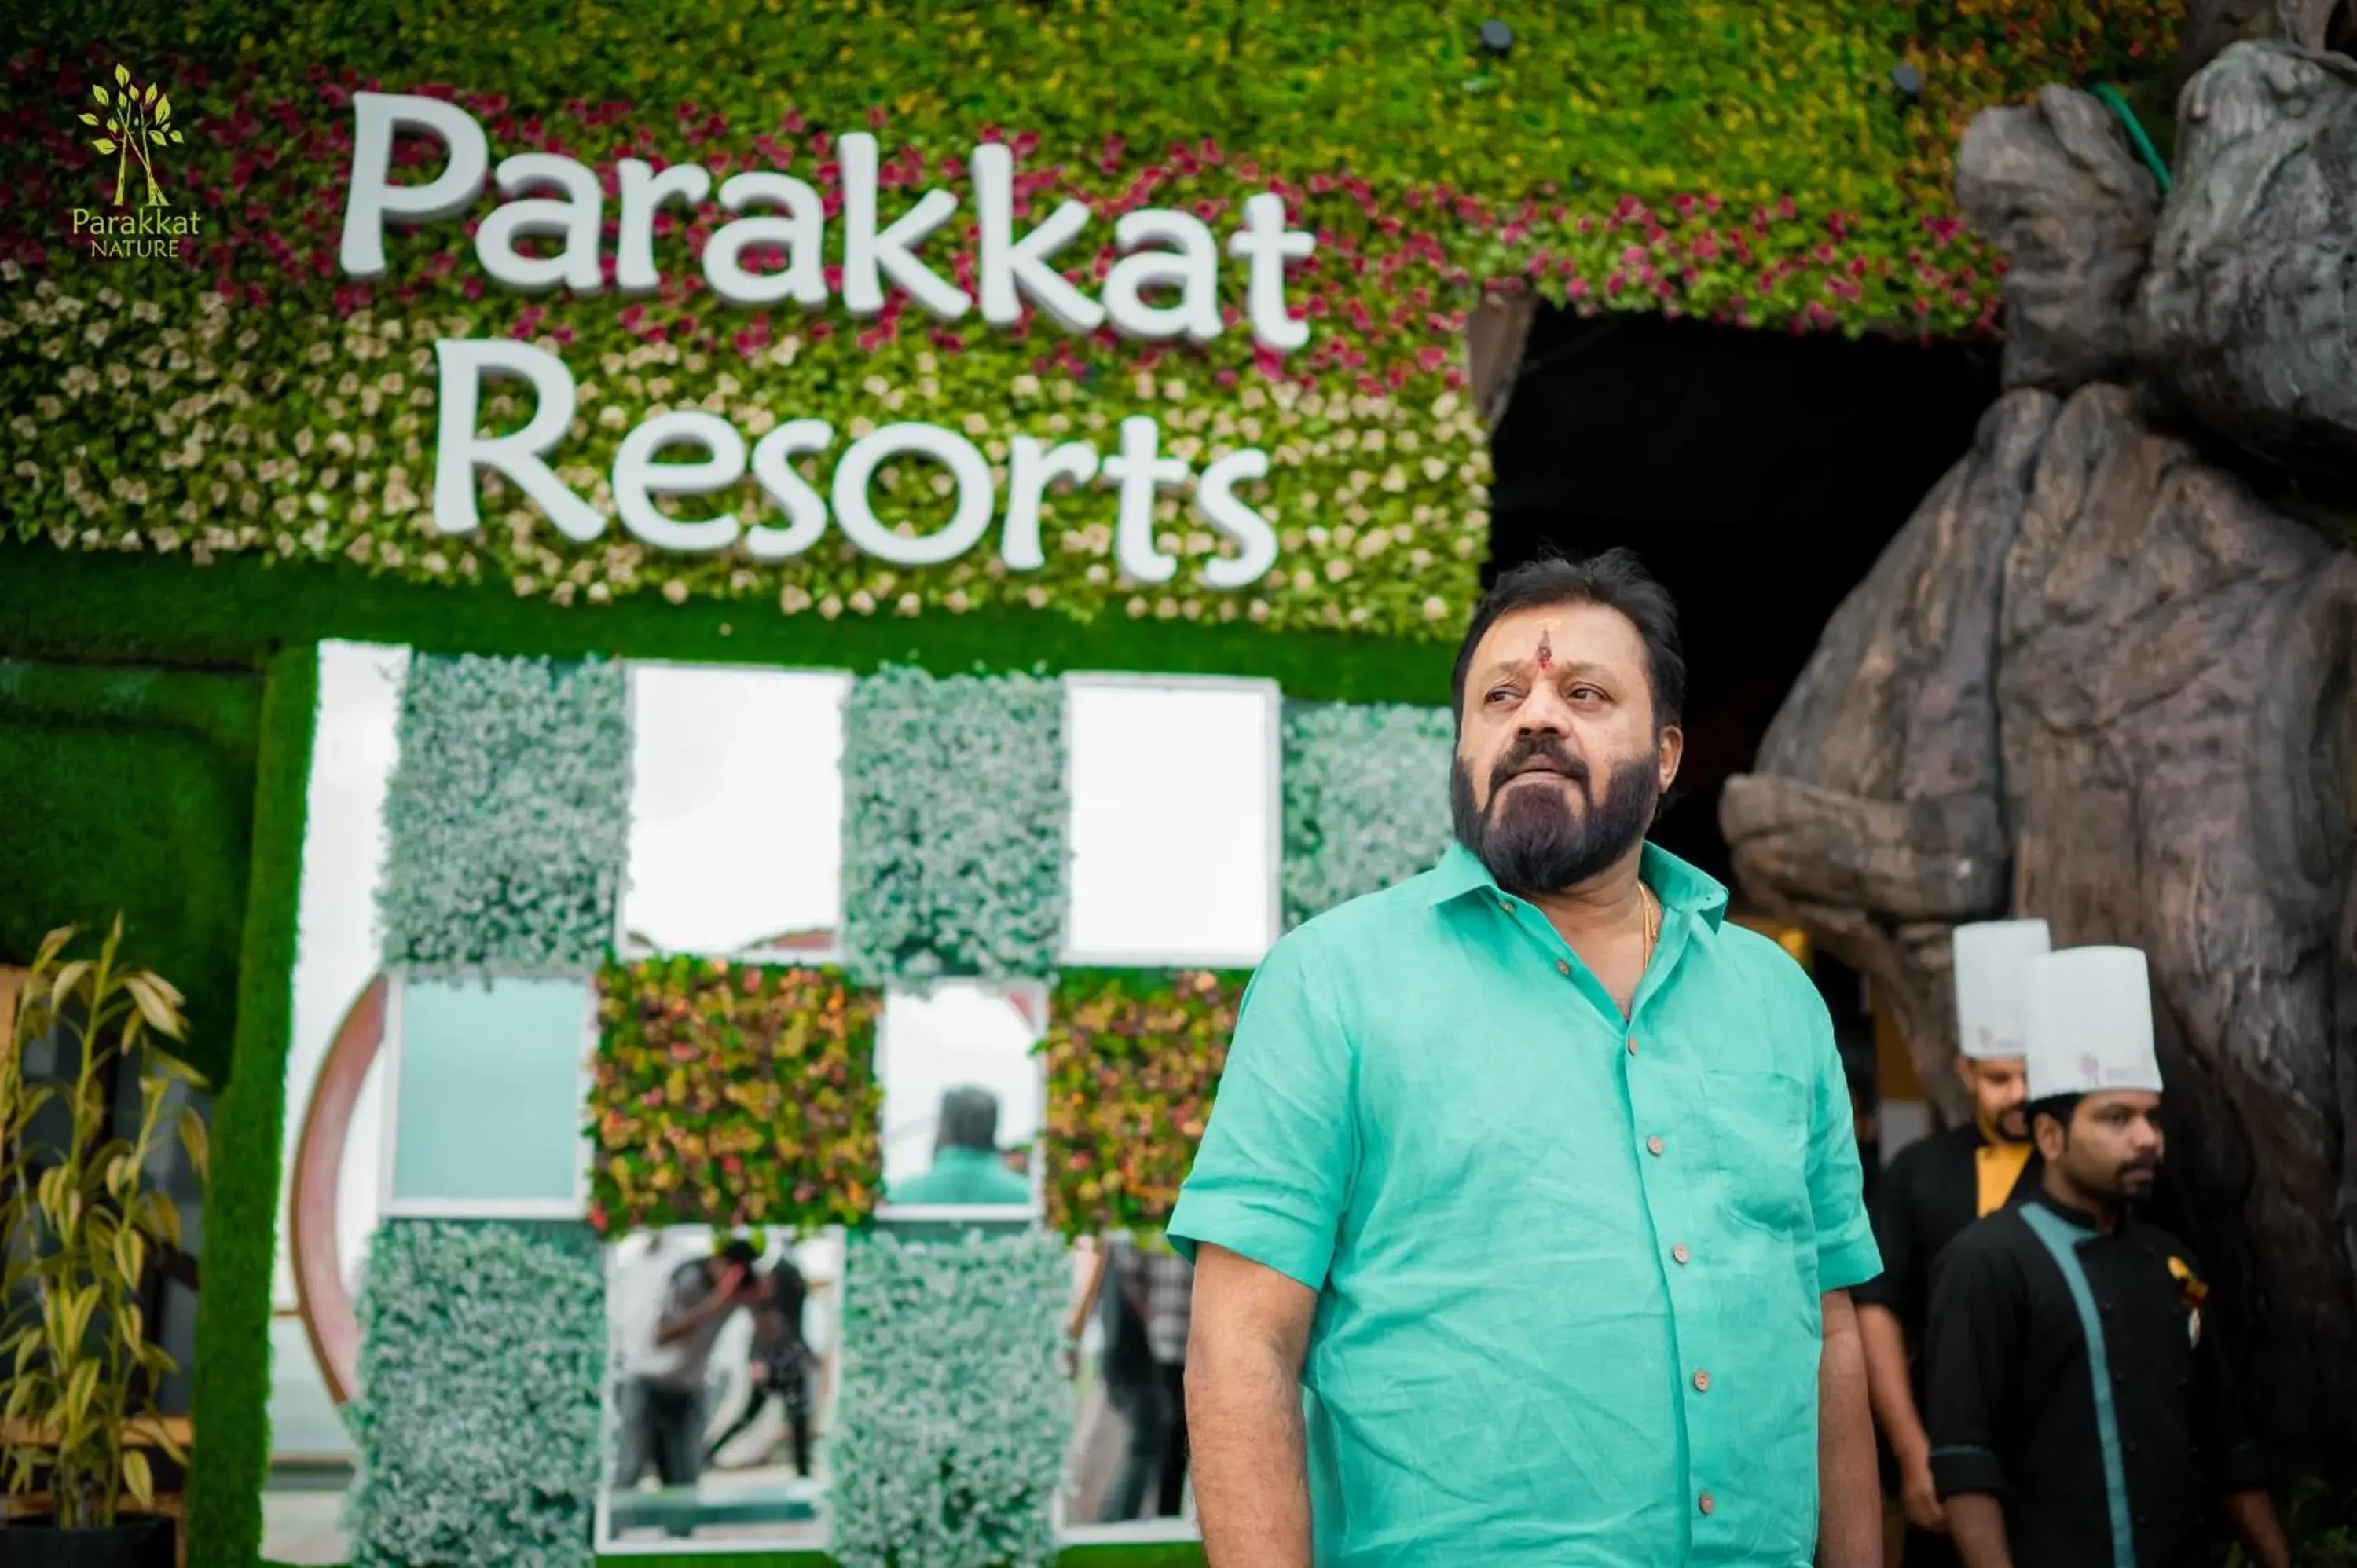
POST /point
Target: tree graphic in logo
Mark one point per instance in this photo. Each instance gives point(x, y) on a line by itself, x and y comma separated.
point(137, 120)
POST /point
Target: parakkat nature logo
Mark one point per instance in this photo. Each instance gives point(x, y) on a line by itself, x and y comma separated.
point(138, 123)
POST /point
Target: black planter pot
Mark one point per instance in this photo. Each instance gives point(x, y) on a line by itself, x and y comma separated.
point(133, 1541)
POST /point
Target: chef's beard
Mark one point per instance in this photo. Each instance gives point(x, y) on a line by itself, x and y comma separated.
point(1531, 840)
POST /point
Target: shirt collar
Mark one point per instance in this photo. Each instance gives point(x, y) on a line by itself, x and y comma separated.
point(2079, 1218)
point(1681, 889)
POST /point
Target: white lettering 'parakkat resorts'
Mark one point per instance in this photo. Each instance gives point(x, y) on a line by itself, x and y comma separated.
point(1164, 287)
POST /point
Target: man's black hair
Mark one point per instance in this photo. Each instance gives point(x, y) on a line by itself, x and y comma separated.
point(740, 1252)
point(1616, 580)
point(2062, 1107)
point(969, 1118)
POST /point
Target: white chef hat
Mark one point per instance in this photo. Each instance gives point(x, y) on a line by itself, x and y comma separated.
point(1989, 957)
point(2088, 1013)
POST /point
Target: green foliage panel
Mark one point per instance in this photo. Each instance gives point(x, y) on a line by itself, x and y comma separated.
point(732, 1094)
point(133, 790)
point(482, 1354)
point(955, 1413)
point(1366, 800)
point(508, 813)
point(954, 806)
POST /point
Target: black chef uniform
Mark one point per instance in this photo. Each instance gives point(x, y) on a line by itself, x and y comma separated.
point(2071, 1377)
point(1930, 1193)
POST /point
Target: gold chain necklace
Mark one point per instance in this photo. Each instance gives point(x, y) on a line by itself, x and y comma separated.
point(1652, 923)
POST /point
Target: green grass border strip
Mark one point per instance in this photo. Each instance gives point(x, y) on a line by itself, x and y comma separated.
point(232, 1370)
point(235, 612)
point(137, 790)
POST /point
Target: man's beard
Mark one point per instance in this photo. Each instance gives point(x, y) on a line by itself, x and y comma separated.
point(1531, 840)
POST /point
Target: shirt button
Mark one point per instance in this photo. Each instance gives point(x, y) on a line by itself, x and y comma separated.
point(1654, 1145)
point(1507, 905)
point(1633, 1045)
point(1562, 966)
point(1681, 1254)
point(1702, 1382)
point(1707, 1503)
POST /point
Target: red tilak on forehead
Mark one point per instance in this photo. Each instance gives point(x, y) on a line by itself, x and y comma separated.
point(1546, 652)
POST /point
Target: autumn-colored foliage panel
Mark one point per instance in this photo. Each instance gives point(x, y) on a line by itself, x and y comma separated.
point(732, 1094)
point(1132, 1061)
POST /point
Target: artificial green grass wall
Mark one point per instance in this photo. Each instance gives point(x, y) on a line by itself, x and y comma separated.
point(232, 1459)
point(133, 790)
point(60, 604)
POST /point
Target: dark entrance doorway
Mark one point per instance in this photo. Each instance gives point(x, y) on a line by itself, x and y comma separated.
point(1758, 474)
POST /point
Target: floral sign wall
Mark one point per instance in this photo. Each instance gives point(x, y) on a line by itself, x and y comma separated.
point(1215, 259)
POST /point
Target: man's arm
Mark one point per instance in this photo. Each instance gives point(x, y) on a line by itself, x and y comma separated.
point(1260, 1218)
point(679, 1324)
point(1244, 1436)
point(1883, 1304)
point(2256, 1525)
point(2232, 1454)
point(1893, 1398)
point(1971, 1350)
point(1849, 1507)
point(1849, 1493)
point(1977, 1522)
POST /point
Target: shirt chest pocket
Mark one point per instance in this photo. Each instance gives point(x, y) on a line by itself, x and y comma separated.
point(1758, 1123)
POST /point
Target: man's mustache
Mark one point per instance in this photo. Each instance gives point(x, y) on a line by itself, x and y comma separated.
point(1540, 754)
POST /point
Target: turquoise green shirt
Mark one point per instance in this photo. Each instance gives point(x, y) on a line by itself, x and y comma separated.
point(963, 1176)
point(1568, 1264)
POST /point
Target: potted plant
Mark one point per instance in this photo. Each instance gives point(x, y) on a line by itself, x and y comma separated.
point(80, 1225)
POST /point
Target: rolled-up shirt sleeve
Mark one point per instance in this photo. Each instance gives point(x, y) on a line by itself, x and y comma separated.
point(1972, 1347)
point(1272, 1179)
point(1847, 1254)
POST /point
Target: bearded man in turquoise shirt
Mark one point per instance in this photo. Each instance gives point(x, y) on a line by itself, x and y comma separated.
point(1528, 1207)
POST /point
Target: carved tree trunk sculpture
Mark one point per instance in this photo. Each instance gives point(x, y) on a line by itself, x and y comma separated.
point(2095, 681)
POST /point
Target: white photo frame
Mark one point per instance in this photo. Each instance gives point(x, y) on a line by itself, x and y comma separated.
point(1081, 950)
